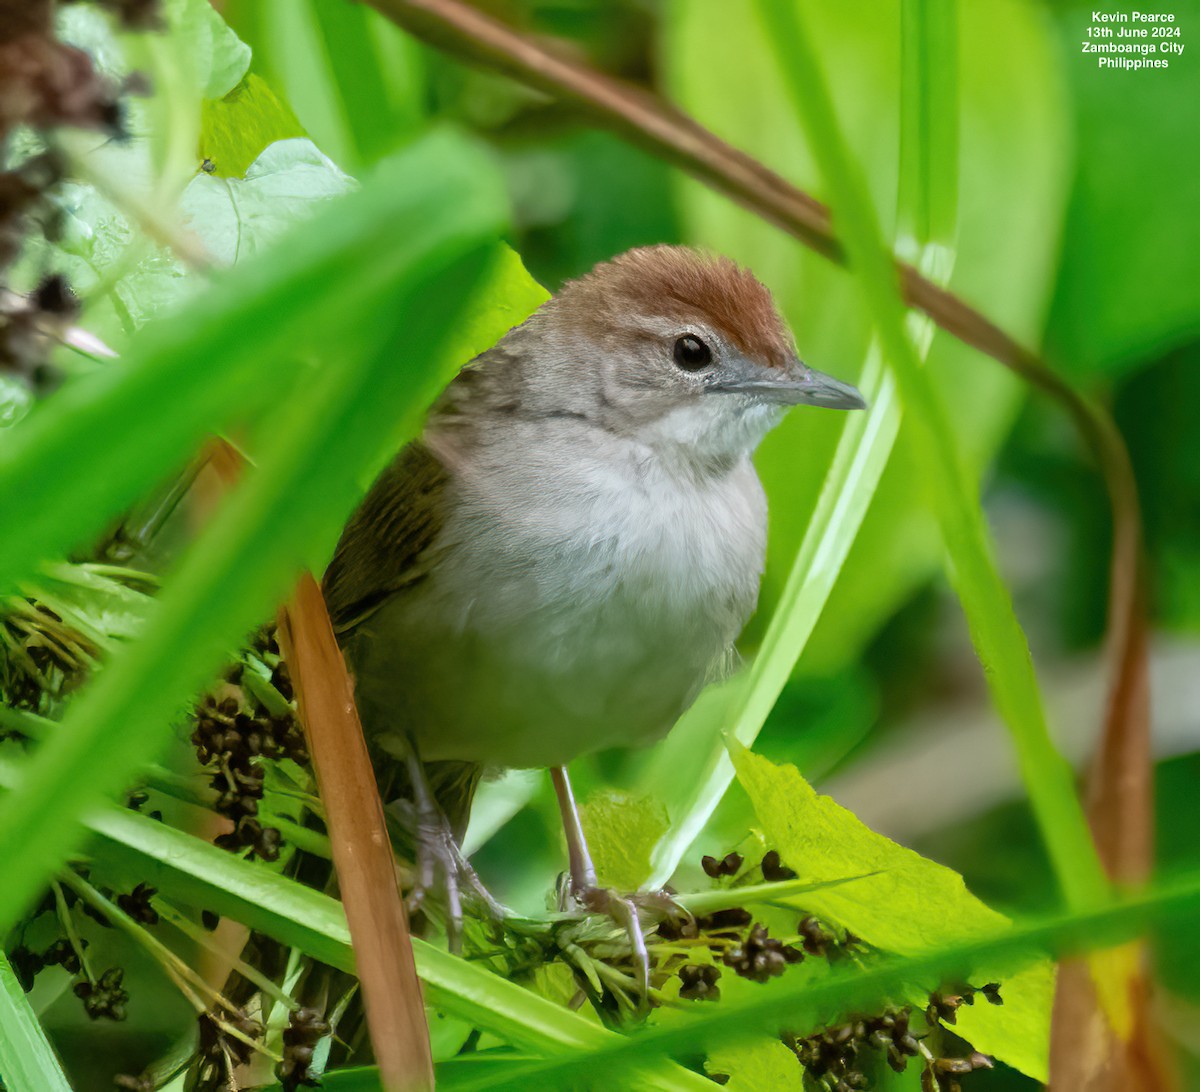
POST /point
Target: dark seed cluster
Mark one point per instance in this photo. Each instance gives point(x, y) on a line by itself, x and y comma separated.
point(840, 1052)
point(233, 734)
point(137, 904)
point(44, 84)
point(942, 1074)
point(814, 938)
point(774, 870)
point(760, 956)
point(306, 1028)
point(104, 998)
point(944, 1004)
point(218, 1047)
point(726, 866)
point(26, 965)
point(699, 982)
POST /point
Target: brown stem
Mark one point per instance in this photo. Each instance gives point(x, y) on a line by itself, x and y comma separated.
point(362, 852)
point(358, 838)
point(1120, 808)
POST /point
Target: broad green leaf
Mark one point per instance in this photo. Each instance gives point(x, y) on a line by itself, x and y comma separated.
point(239, 217)
point(903, 903)
point(754, 1065)
point(622, 830)
point(27, 1060)
point(196, 57)
point(238, 127)
point(126, 280)
point(217, 58)
point(442, 205)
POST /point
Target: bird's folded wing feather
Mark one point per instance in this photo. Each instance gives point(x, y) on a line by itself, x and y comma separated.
point(385, 546)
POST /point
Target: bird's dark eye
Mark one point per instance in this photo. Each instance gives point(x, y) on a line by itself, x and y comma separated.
point(691, 354)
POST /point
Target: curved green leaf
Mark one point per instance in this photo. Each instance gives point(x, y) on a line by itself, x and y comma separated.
point(27, 1060)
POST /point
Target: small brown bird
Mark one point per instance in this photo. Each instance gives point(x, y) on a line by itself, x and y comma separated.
point(572, 547)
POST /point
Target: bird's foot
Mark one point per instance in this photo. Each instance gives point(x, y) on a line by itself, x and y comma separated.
point(627, 911)
point(442, 874)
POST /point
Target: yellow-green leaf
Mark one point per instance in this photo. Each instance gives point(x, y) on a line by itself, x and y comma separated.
point(622, 830)
point(904, 903)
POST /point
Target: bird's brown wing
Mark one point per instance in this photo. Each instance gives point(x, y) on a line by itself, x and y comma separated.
point(384, 548)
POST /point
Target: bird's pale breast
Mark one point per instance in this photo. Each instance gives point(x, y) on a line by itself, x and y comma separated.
point(582, 613)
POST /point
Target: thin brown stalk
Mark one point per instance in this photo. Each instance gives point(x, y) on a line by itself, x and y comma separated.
point(362, 852)
point(358, 837)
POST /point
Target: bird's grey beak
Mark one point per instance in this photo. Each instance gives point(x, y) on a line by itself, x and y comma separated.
point(799, 386)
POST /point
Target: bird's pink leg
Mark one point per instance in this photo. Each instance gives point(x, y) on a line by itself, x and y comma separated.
point(583, 887)
point(583, 872)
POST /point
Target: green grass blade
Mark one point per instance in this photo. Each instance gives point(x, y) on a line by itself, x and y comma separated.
point(800, 1003)
point(288, 509)
point(929, 120)
point(136, 849)
point(358, 82)
point(997, 635)
point(27, 1060)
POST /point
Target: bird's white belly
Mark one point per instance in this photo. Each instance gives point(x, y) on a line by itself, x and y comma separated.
point(586, 621)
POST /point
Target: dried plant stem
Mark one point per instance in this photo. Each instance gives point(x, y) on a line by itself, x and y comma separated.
point(360, 847)
point(362, 852)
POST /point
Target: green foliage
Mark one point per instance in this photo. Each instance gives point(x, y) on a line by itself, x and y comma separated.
point(622, 831)
point(240, 125)
point(215, 57)
point(902, 903)
point(27, 1060)
point(246, 216)
point(133, 848)
point(755, 1064)
point(1130, 281)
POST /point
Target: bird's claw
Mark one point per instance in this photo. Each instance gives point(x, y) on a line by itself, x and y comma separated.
point(441, 870)
point(625, 911)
